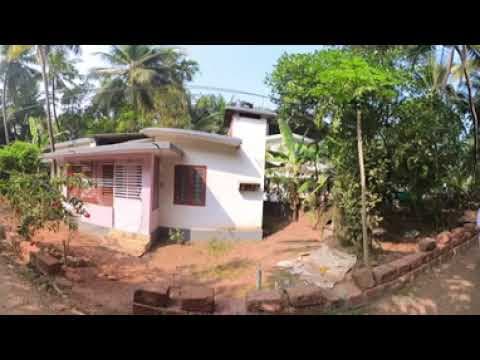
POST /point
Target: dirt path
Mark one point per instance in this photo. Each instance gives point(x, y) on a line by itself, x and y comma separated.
point(19, 296)
point(450, 289)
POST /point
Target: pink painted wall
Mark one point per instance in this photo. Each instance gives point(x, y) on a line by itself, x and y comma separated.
point(104, 215)
point(99, 215)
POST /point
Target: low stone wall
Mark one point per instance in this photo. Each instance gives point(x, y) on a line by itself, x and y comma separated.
point(369, 284)
point(164, 299)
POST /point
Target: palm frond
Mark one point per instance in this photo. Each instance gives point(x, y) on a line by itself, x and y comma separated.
point(15, 51)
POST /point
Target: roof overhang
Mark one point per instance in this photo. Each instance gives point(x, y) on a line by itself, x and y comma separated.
point(191, 135)
point(73, 143)
point(128, 148)
point(110, 139)
point(300, 138)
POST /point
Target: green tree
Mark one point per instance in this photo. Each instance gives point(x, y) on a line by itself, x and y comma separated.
point(62, 74)
point(42, 52)
point(207, 113)
point(18, 156)
point(469, 59)
point(335, 81)
point(20, 92)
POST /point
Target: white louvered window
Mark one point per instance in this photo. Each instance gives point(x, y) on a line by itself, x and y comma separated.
point(128, 181)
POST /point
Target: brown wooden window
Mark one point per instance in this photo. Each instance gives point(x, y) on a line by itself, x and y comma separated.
point(107, 185)
point(190, 185)
point(156, 180)
point(100, 191)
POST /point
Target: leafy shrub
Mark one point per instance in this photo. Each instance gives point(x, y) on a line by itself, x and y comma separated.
point(176, 236)
point(39, 201)
point(19, 156)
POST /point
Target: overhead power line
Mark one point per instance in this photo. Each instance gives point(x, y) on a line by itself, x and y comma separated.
point(92, 91)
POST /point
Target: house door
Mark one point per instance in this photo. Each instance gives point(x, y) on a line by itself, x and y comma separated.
point(127, 200)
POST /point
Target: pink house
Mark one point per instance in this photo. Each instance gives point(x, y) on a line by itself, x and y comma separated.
point(206, 185)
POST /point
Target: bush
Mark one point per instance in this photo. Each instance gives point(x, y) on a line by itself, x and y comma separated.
point(18, 157)
point(176, 236)
point(39, 201)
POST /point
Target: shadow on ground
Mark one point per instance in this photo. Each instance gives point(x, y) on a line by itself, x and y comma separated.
point(450, 289)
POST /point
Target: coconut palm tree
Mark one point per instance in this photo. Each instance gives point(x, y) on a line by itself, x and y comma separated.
point(136, 71)
point(62, 73)
point(207, 113)
point(469, 61)
point(19, 78)
point(42, 52)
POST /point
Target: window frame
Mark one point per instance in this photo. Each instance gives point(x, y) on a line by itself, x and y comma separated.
point(156, 184)
point(189, 201)
point(96, 193)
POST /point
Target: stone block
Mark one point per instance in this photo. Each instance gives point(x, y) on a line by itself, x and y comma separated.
point(45, 263)
point(157, 295)
point(443, 238)
point(384, 273)
point(197, 299)
point(458, 234)
point(335, 300)
point(303, 296)
point(269, 301)
point(344, 294)
point(457, 240)
point(141, 309)
point(363, 278)
point(402, 265)
point(427, 244)
point(375, 292)
point(415, 260)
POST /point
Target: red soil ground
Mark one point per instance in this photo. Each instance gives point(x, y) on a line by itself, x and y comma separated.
point(108, 287)
point(230, 269)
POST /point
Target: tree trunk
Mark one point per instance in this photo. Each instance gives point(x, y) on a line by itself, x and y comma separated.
point(364, 187)
point(4, 106)
point(54, 106)
point(43, 60)
point(463, 58)
point(475, 118)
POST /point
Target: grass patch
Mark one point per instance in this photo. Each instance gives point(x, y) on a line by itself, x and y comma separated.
point(217, 248)
point(227, 271)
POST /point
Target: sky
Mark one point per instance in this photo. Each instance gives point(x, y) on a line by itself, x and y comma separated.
point(238, 67)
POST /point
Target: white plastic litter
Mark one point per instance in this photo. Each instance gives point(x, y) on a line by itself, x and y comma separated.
point(323, 267)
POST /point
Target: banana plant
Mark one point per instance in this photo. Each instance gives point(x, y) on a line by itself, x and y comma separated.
point(39, 137)
point(290, 168)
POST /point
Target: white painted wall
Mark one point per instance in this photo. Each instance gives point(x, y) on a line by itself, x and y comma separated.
point(226, 207)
